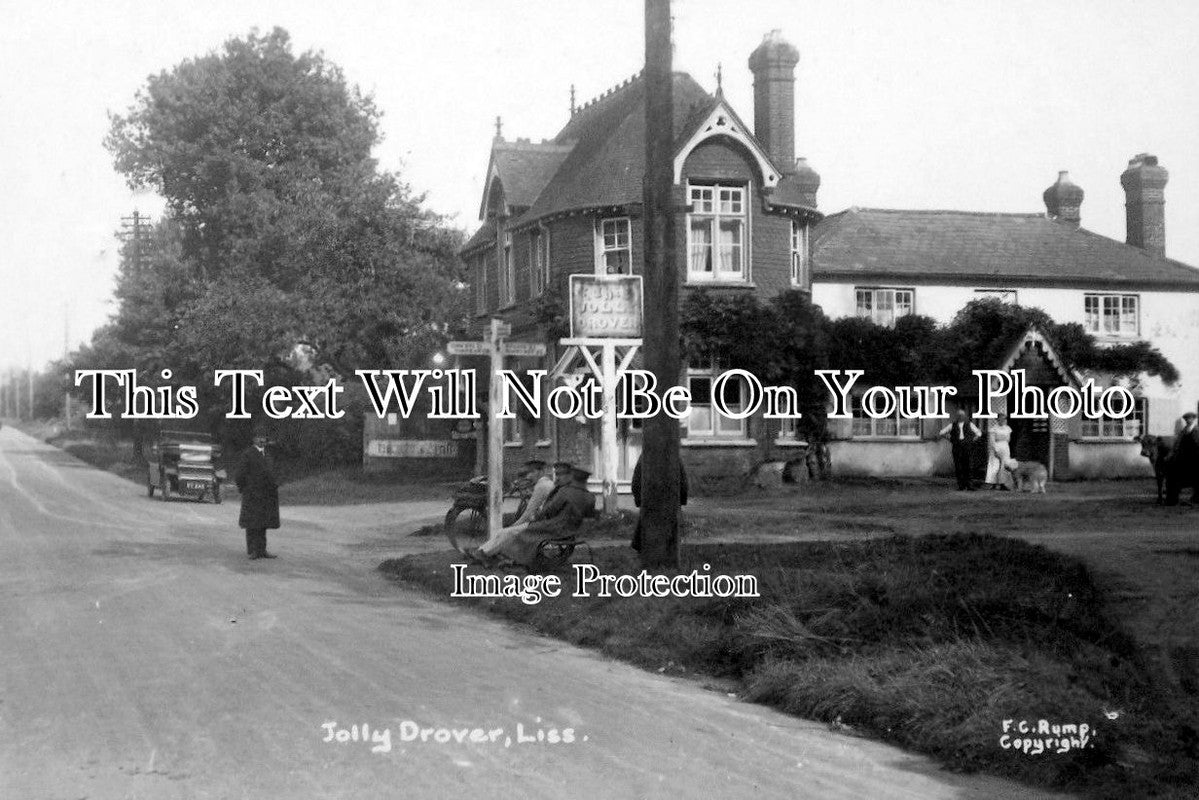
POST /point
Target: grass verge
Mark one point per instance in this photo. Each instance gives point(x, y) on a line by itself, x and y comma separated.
point(927, 642)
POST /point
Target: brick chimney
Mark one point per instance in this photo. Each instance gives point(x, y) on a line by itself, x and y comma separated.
point(1063, 200)
point(773, 66)
point(1144, 185)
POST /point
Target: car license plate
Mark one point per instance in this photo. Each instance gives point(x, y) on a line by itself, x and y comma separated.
point(195, 486)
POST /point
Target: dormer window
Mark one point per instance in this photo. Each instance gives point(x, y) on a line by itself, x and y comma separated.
point(614, 249)
point(716, 234)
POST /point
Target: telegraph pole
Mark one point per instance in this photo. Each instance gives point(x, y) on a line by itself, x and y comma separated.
point(660, 455)
point(133, 230)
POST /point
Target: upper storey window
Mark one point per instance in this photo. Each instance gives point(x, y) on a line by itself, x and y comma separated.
point(800, 254)
point(539, 258)
point(507, 274)
point(884, 305)
point(1112, 314)
point(614, 249)
point(716, 229)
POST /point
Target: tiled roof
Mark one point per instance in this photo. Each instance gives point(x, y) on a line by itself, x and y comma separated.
point(884, 243)
point(525, 168)
point(484, 235)
point(607, 162)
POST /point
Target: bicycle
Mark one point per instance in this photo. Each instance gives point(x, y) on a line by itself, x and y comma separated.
point(471, 498)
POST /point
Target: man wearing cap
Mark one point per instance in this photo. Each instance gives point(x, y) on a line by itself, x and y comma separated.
point(255, 479)
point(1184, 461)
point(564, 510)
point(539, 470)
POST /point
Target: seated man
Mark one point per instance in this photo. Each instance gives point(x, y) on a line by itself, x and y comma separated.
point(563, 512)
point(538, 471)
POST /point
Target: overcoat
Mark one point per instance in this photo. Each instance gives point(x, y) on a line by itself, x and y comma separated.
point(255, 479)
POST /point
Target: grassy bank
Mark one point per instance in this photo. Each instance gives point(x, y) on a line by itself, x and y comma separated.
point(927, 642)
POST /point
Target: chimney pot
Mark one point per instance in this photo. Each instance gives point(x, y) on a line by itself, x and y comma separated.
point(773, 65)
point(1144, 185)
point(1063, 200)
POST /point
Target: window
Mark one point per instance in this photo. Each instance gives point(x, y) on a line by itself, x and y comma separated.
point(1111, 314)
point(507, 274)
point(514, 432)
point(705, 421)
point(481, 294)
point(864, 427)
point(884, 305)
point(1107, 428)
point(539, 259)
point(716, 234)
point(1003, 295)
point(799, 254)
point(614, 252)
point(789, 432)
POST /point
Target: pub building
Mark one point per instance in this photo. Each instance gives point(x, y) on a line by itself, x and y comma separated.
point(748, 222)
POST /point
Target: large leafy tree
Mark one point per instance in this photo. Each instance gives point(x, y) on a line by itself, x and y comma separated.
point(286, 232)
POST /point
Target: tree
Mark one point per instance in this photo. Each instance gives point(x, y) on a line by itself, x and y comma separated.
point(287, 232)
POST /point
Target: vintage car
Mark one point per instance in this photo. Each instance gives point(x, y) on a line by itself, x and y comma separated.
point(186, 464)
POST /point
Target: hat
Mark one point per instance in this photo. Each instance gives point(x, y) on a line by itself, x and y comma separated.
point(563, 466)
point(535, 463)
point(579, 474)
point(1189, 415)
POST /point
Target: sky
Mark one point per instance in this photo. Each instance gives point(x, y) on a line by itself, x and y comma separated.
point(922, 104)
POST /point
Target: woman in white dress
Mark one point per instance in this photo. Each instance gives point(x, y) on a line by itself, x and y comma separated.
point(999, 452)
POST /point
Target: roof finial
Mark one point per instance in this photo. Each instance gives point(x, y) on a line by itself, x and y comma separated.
point(499, 129)
point(719, 80)
point(572, 100)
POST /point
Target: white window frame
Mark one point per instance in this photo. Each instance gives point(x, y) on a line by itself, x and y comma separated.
point(1107, 428)
point(704, 422)
point(539, 261)
point(717, 204)
point(1004, 295)
point(789, 433)
point(892, 427)
point(801, 254)
point(613, 235)
point(1098, 310)
point(514, 432)
point(894, 295)
point(507, 273)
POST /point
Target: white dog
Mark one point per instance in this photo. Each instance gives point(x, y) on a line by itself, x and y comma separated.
point(1029, 473)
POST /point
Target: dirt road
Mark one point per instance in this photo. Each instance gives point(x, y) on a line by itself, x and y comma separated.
point(143, 656)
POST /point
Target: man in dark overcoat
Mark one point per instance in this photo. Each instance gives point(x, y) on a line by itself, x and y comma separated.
point(1183, 466)
point(255, 479)
point(961, 434)
point(636, 488)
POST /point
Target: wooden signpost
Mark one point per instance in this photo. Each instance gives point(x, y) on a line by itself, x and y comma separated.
point(495, 347)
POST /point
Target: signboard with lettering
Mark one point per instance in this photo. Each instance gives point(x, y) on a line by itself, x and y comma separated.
point(412, 448)
point(605, 306)
point(468, 348)
point(522, 349)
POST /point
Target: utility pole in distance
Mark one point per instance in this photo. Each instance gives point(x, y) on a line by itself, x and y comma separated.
point(660, 452)
point(134, 230)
